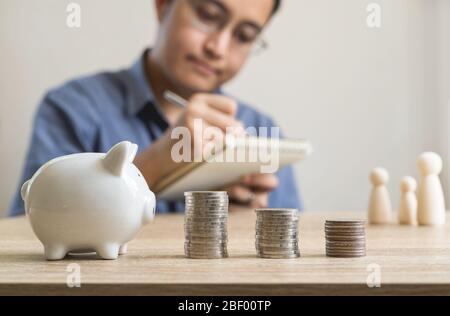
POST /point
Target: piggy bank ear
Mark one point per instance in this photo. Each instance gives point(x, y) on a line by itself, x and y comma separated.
point(119, 156)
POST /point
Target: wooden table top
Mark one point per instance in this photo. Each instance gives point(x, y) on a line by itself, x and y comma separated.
point(411, 260)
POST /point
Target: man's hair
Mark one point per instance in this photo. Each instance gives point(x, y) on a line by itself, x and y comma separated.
point(276, 6)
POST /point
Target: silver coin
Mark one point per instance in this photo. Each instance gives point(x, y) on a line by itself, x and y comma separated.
point(345, 225)
point(277, 228)
point(207, 252)
point(276, 252)
point(345, 231)
point(271, 236)
point(346, 249)
point(215, 241)
point(188, 193)
point(210, 204)
point(345, 228)
point(346, 238)
point(212, 246)
point(195, 255)
point(216, 254)
point(345, 244)
point(276, 240)
point(206, 209)
point(277, 219)
point(276, 210)
point(206, 234)
point(205, 248)
point(206, 202)
point(345, 255)
point(218, 235)
point(345, 222)
point(206, 199)
point(348, 231)
point(211, 223)
point(277, 247)
point(266, 256)
point(268, 222)
point(276, 214)
point(202, 201)
point(197, 228)
point(200, 218)
point(271, 224)
point(210, 235)
point(205, 229)
point(212, 215)
point(206, 216)
point(206, 255)
point(286, 234)
point(203, 240)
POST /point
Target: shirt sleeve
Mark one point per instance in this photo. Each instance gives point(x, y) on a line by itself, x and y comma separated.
point(287, 194)
point(63, 125)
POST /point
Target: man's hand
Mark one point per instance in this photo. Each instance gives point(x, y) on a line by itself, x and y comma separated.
point(253, 190)
point(213, 110)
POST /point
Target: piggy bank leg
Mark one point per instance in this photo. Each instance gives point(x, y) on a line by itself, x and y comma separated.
point(55, 252)
point(108, 251)
point(123, 249)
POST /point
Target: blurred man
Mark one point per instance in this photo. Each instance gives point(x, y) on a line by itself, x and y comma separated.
point(200, 45)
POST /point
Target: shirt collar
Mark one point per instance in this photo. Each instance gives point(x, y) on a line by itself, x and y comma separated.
point(139, 92)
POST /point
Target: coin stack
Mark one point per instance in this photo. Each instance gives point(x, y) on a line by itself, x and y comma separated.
point(276, 233)
point(345, 238)
point(205, 224)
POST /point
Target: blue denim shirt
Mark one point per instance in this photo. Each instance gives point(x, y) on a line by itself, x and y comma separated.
point(91, 114)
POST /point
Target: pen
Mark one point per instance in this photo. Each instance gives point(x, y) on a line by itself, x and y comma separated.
point(175, 99)
point(181, 102)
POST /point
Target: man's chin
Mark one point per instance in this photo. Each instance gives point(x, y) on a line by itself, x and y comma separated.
point(197, 86)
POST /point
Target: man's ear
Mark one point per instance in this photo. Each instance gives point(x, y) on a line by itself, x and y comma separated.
point(161, 7)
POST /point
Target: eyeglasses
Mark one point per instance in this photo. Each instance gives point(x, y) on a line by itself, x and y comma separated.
point(209, 16)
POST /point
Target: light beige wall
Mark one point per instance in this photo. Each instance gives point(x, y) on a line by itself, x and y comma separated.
point(364, 97)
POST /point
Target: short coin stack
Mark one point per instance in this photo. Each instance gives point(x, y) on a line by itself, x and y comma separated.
point(276, 233)
point(345, 238)
point(205, 224)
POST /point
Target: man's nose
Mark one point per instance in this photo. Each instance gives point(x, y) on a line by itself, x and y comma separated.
point(218, 44)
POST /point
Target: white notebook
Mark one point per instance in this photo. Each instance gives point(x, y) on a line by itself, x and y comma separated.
point(239, 156)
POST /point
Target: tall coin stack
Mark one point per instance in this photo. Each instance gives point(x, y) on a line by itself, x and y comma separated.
point(345, 239)
point(276, 233)
point(205, 224)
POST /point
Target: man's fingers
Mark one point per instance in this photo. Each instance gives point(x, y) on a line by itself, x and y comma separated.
point(243, 195)
point(218, 102)
point(200, 109)
point(261, 181)
point(240, 194)
point(220, 120)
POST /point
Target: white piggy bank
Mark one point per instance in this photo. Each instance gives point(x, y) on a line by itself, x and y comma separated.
point(88, 202)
